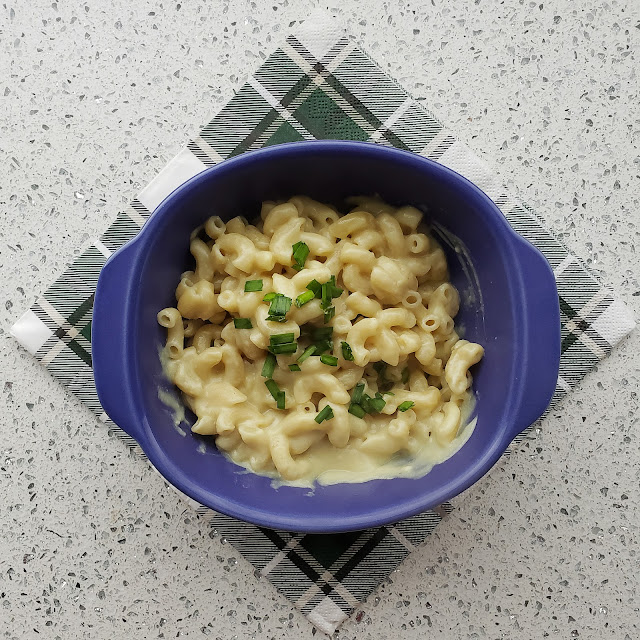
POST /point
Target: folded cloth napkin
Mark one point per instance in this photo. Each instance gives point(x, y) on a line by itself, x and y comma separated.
point(317, 84)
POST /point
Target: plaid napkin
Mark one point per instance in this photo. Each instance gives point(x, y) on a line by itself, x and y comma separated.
point(318, 84)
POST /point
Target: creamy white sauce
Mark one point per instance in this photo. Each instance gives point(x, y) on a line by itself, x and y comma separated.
point(350, 465)
point(176, 410)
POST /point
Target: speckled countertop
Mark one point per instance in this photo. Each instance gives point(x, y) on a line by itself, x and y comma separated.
point(96, 97)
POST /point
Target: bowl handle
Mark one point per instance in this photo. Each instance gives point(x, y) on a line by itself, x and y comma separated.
point(541, 334)
point(110, 345)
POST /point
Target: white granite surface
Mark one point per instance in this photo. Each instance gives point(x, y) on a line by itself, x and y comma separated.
point(95, 97)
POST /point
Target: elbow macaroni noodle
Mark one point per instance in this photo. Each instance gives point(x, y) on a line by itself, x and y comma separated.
point(395, 311)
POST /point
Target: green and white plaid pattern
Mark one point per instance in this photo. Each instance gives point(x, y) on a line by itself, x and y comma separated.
point(318, 84)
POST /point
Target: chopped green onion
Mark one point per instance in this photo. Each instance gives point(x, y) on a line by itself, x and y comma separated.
point(289, 347)
point(376, 404)
point(294, 367)
point(280, 305)
point(253, 285)
point(325, 296)
point(357, 410)
point(273, 387)
point(281, 338)
point(299, 255)
point(325, 414)
point(321, 333)
point(268, 366)
point(405, 375)
point(388, 393)
point(357, 393)
point(316, 287)
point(268, 297)
point(381, 369)
point(242, 323)
point(406, 405)
point(347, 354)
point(334, 292)
point(276, 393)
point(322, 346)
point(384, 384)
point(306, 354)
point(305, 297)
point(332, 361)
point(372, 405)
point(329, 313)
point(276, 318)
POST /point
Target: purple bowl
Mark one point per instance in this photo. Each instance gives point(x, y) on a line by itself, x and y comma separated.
point(515, 317)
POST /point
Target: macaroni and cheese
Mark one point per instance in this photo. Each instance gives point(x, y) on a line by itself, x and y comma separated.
point(315, 345)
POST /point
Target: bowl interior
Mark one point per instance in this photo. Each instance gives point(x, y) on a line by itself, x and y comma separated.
point(480, 271)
